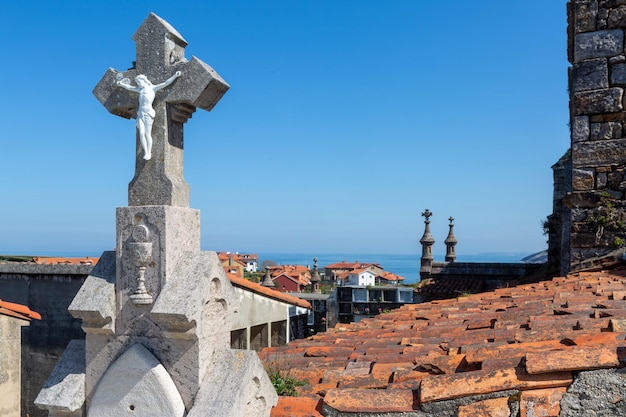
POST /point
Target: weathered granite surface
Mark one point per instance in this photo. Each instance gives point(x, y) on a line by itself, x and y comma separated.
point(596, 393)
point(160, 53)
point(157, 312)
point(136, 384)
point(64, 392)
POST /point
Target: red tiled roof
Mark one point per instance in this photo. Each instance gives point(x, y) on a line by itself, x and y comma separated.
point(342, 274)
point(351, 265)
point(18, 310)
point(60, 260)
point(391, 277)
point(268, 292)
point(343, 265)
point(532, 338)
point(242, 258)
point(297, 273)
point(359, 271)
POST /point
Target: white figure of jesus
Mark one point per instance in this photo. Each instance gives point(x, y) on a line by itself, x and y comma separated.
point(145, 111)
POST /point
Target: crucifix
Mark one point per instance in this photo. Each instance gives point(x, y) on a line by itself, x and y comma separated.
point(172, 89)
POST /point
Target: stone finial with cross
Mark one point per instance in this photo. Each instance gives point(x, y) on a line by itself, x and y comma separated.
point(184, 86)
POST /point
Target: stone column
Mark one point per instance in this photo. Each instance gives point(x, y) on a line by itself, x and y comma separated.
point(427, 242)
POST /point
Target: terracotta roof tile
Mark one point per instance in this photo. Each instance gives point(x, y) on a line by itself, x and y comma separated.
point(445, 387)
point(496, 407)
point(61, 260)
point(297, 407)
point(389, 276)
point(572, 359)
point(351, 400)
point(18, 310)
point(543, 402)
point(532, 338)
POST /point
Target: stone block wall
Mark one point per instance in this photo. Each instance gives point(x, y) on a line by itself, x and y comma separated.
point(558, 233)
point(48, 290)
point(597, 79)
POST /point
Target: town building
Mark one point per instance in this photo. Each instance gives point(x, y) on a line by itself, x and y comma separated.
point(354, 303)
point(266, 317)
point(232, 264)
point(338, 272)
point(361, 277)
point(290, 278)
point(241, 262)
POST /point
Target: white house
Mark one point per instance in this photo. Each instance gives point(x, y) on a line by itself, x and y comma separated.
point(362, 277)
point(251, 261)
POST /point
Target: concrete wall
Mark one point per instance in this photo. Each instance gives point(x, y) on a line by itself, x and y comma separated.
point(262, 321)
point(10, 360)
point(48, 290)
point(597, 79)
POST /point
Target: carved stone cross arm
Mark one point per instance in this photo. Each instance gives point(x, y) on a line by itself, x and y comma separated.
point(183, 86)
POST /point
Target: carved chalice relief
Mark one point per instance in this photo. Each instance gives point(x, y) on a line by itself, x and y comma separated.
point(140, 253)
point(145, 112)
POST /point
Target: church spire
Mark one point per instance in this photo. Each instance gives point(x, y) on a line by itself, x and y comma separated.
point(427, 242)
point(450, 243)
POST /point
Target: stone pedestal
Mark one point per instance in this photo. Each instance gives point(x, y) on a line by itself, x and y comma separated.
point(184, 330)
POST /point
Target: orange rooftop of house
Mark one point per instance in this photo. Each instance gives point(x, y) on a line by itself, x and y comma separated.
point(60, 260)
point(477, 355)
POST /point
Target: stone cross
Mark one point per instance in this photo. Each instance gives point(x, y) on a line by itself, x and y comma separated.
point(160, 55)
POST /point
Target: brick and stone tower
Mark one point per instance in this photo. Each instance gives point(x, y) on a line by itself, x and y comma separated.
point(597, 79)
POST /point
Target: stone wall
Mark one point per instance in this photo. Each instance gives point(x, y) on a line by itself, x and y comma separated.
point(493, 275)
point(10, 358)
point(597, 79)
point(48, 290)
point(558, 235)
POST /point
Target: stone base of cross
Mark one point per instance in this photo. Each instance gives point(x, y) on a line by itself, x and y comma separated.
point(160, 54)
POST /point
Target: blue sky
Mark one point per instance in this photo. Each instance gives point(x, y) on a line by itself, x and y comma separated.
point(344, 121)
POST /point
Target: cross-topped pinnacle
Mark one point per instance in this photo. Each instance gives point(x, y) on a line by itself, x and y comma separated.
point(451, 219)
point(427, 215)
point(182, 87)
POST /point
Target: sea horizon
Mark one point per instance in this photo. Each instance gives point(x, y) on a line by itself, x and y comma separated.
point(405, 265)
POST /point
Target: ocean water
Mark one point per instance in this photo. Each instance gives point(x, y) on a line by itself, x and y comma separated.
point(404, 265)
